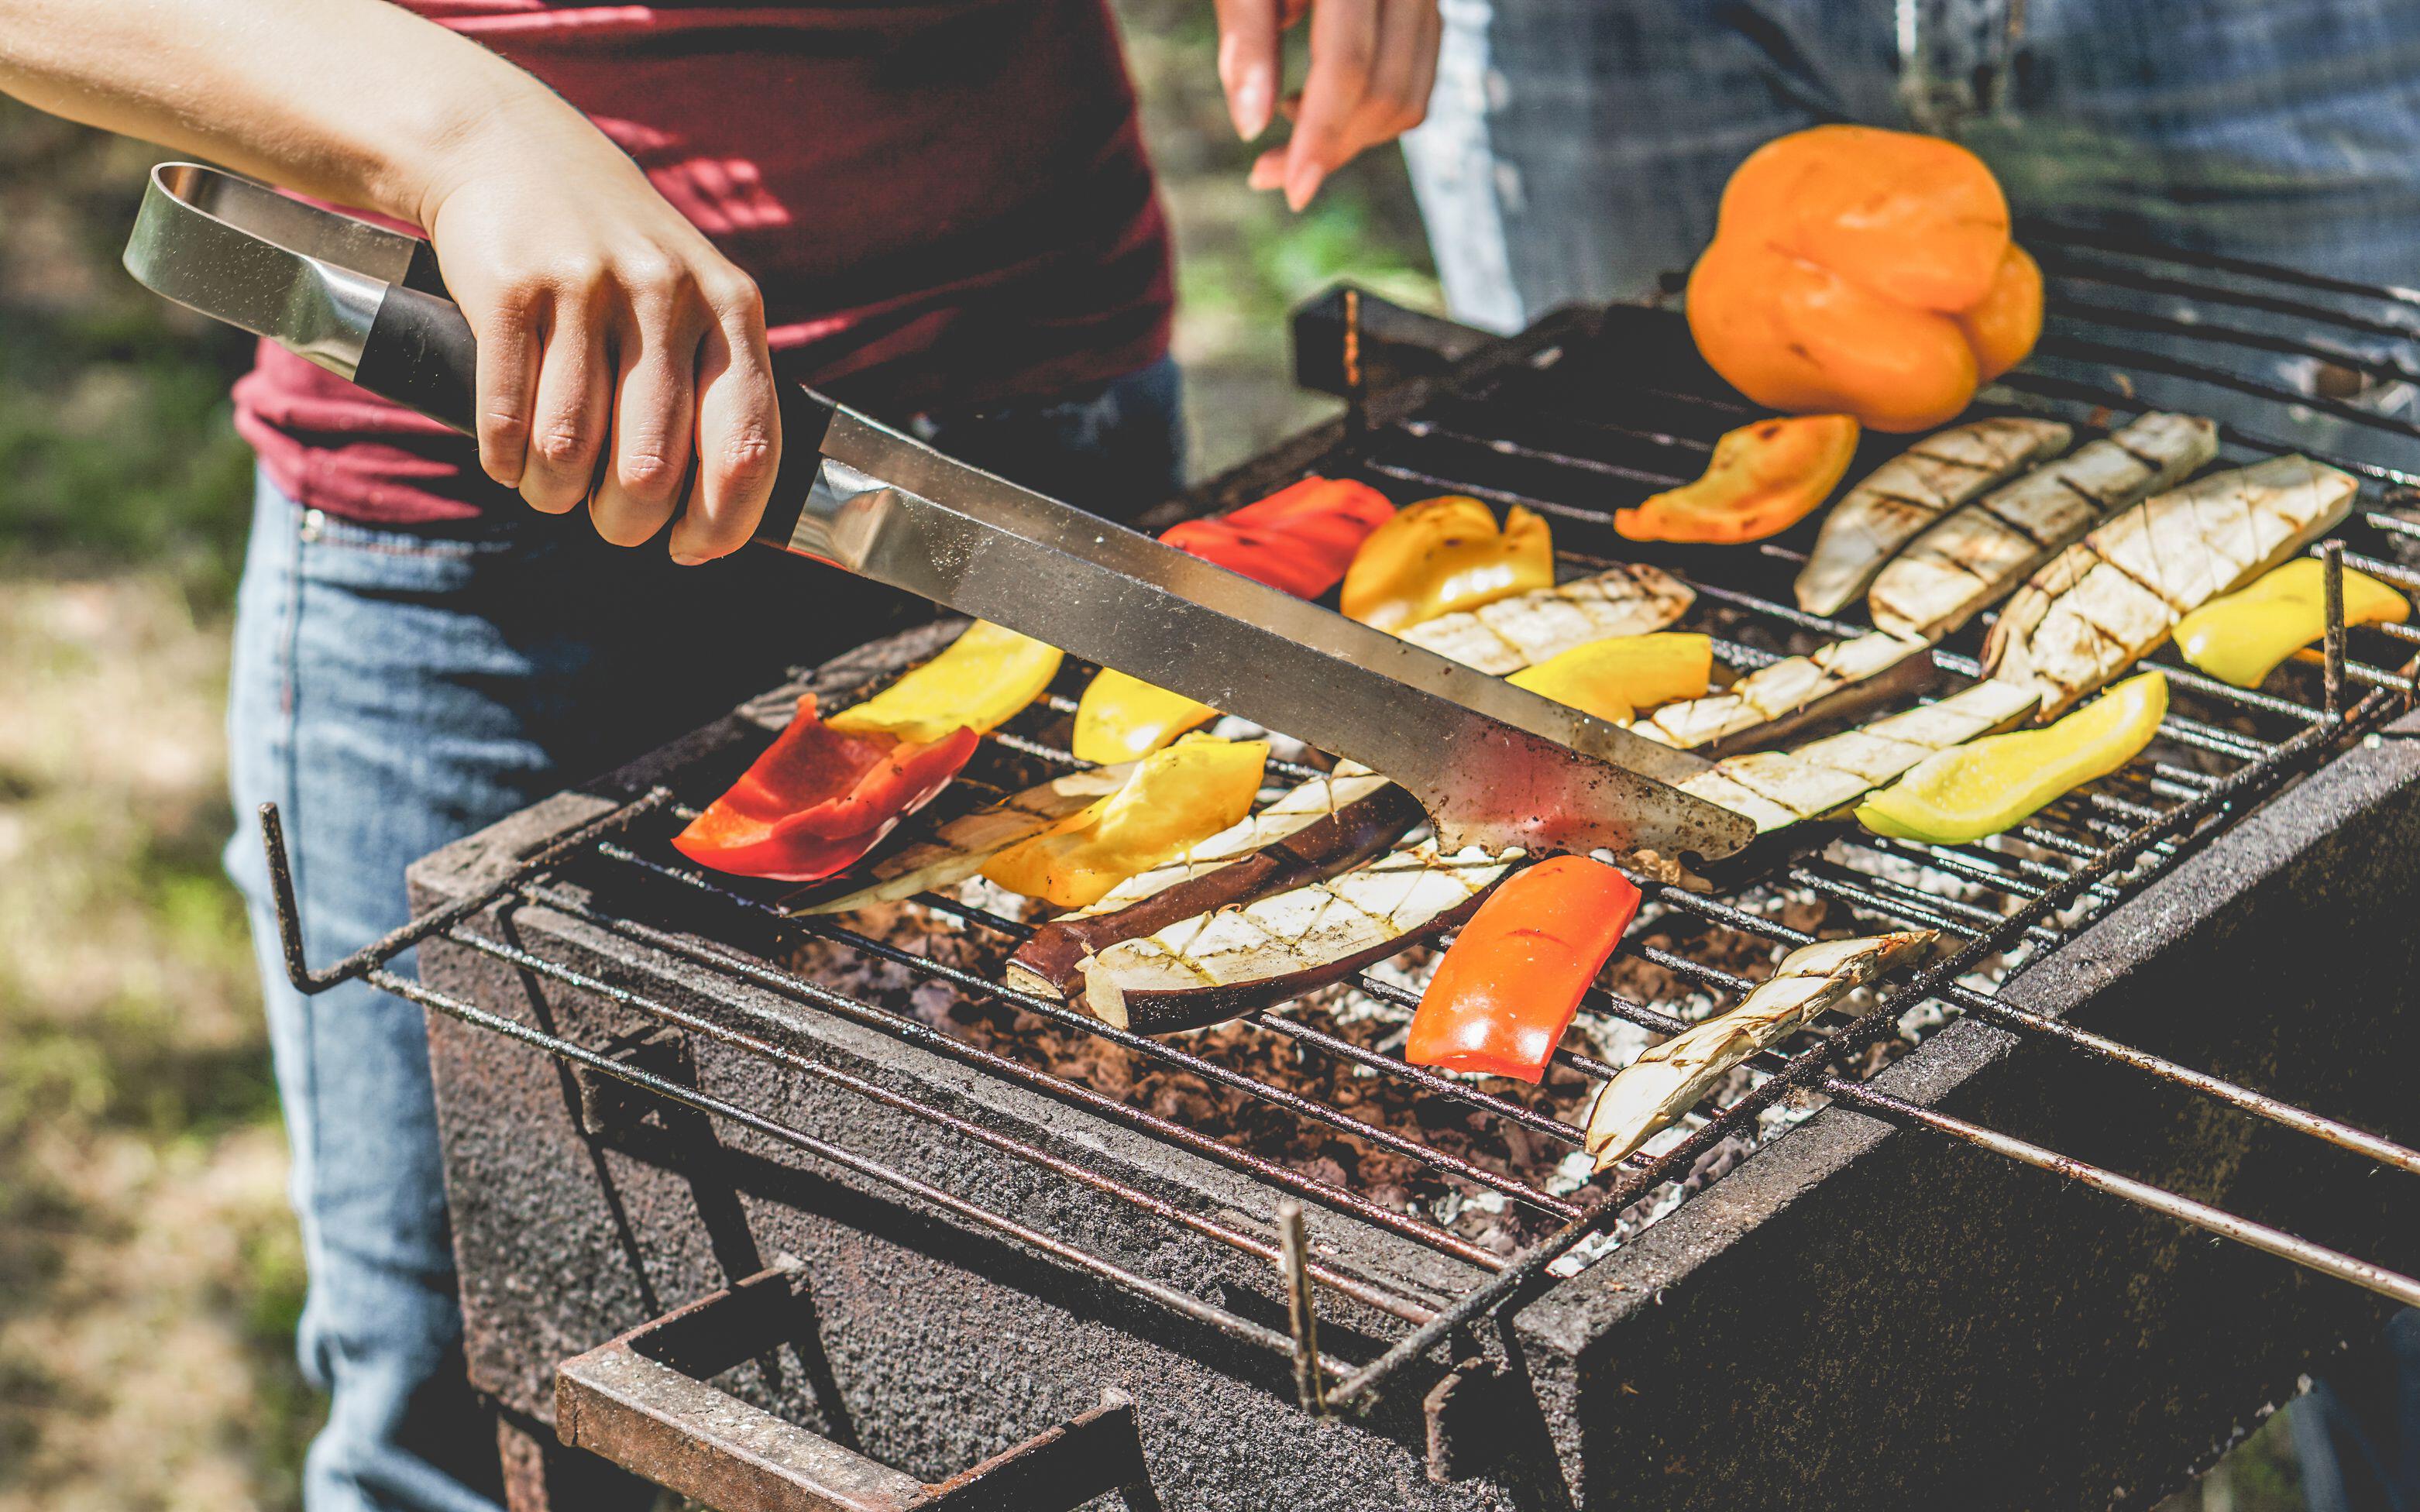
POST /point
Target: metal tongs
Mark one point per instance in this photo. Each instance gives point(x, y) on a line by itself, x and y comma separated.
point(1493, 764)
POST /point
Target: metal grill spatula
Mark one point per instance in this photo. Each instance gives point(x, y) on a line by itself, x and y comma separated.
point(1493, 764)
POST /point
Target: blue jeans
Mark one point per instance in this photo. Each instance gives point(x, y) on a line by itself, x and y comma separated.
point(393, 690)
point(1577, 150)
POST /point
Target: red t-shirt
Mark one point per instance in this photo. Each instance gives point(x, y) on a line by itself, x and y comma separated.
point(944, 204)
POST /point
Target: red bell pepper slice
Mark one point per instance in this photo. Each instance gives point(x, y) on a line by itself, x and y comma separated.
point(1300, 538)
point(1505, 993)
point(818, 798)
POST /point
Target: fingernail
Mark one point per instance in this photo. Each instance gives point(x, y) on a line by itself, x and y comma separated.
point(1252, 105)
point(686, 559)
point(1301, 184)
point(1264, 175)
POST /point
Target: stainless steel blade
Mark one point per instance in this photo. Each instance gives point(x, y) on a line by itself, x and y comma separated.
point(241, 253)
point(1492, 763)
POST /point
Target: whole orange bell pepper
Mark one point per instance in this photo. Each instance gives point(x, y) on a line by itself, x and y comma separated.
point(1864, 271)
point(820, 798)
point(1507, 989)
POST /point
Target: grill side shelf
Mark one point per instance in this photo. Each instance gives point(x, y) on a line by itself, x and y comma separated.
point(645, 1401)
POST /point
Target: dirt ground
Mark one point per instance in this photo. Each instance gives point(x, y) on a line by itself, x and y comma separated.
point(149, 1270)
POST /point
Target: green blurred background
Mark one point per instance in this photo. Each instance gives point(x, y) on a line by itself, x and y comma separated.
point(149, 1272)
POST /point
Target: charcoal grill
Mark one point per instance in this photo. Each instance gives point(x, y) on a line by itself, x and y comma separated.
point(808, 1212)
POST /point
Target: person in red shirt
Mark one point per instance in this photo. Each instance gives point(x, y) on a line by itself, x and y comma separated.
point(939, 211)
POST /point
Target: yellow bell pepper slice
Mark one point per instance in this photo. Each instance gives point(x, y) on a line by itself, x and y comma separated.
point(1997, 782)
point(1616, 676)
point(1176, 797)
point(1441, 555)
point(984, 678)
point(2241, 638)
point(1123, 718)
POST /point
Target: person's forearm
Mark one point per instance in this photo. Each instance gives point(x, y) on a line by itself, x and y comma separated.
point(355, 100)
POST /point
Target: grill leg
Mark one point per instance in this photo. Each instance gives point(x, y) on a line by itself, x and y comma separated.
point(543, 1474)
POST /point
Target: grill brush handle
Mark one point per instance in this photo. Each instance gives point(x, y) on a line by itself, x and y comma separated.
point(643, 1401)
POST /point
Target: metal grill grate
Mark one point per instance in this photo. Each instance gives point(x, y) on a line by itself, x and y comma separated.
point(1525, 421)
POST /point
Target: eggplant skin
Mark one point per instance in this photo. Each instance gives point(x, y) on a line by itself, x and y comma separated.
point(1903, 679)
point(1357, 832)
point(1159, 1010)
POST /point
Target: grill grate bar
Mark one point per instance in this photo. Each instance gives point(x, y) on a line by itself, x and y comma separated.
point(874, 1091)
point(1983, 1005)
point(2085, 311)
point(1429, 1081)
point(918, 1033)
point(2065, 270)
point(1427, 429)
point(1206, 1068)
point(2068, 237)
point(1481, 490)
point(1241, 1329)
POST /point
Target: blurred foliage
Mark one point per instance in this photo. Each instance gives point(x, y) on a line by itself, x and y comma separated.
point(115, 443)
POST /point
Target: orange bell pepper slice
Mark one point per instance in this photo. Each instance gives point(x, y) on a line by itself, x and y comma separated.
point(982, 680)
point(1300, 538)
point(1176, 797)
point(1616, 677)
point(1507, 989)
point(1443, 555)
point(1762, 480)
point(820, 798)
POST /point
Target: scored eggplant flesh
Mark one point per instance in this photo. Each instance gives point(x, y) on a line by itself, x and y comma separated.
point(1776, 789)
point(959, 848)
point(1217, 965)
point(1898, 499)
point(1527, 628)
point(1834, 682)
point(1669, 1079)
point(1967, 561)
point(2111, 598)
point(1324, 827)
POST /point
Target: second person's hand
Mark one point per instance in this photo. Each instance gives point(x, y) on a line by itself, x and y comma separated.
point(1371, 65)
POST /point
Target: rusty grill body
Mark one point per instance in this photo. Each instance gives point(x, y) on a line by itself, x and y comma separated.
point(653, 1084)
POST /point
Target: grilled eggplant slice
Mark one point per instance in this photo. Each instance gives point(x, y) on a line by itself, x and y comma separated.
point(1327, 826)
point(2111, 599)
point(1833, 682)
point(1778, 789)
point(1214, 966)
point(1669, 1079)
point(1527, 628)
point(1909, 492)
point(1964, 563)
